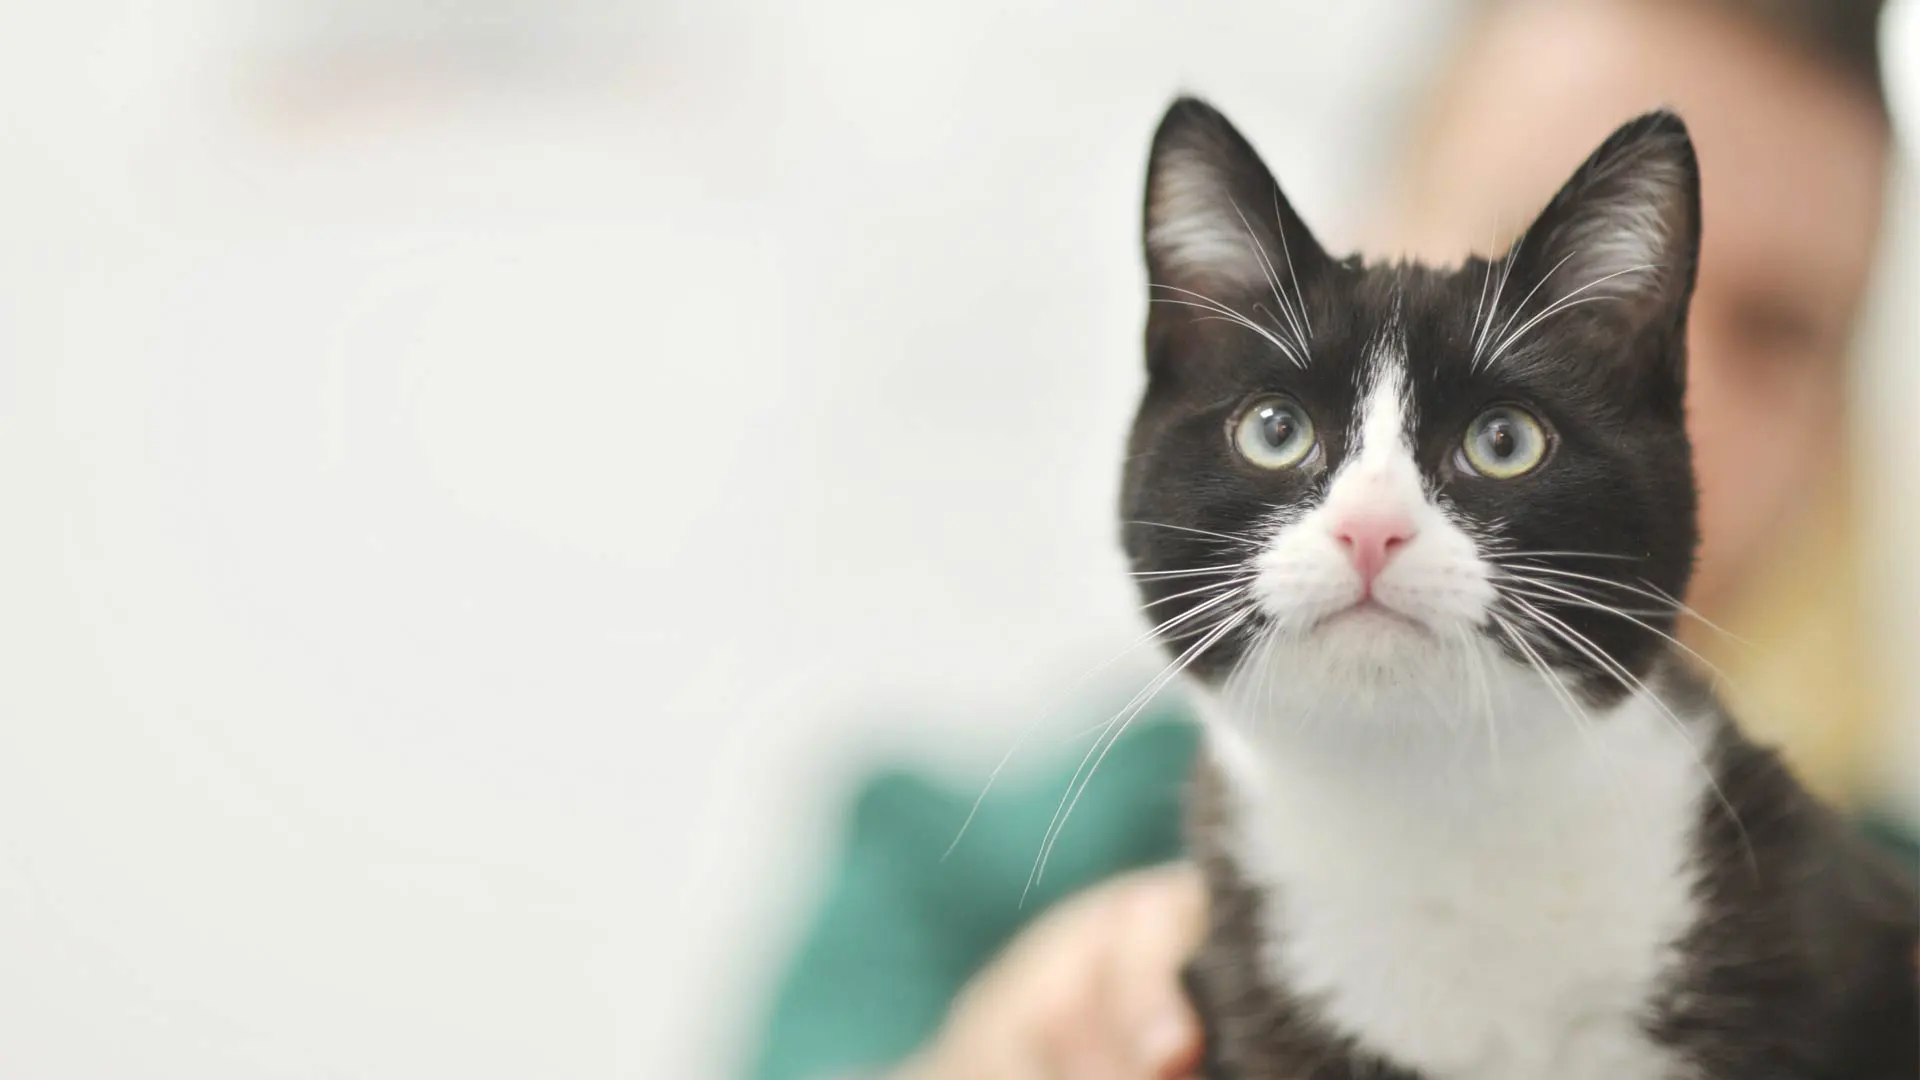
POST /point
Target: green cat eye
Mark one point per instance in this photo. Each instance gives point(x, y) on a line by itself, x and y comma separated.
point(1504, 442)
point(1273, 433)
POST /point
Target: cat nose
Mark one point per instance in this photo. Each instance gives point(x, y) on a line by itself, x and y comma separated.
point(1370, 540)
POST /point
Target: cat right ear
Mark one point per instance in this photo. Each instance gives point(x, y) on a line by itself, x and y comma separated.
point(1624, 230)
point(1217, 224)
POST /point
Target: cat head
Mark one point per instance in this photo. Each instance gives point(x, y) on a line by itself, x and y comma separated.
point(1346, 477)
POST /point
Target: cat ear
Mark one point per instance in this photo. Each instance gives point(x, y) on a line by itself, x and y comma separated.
point(1622, 238)
point(1216, 221)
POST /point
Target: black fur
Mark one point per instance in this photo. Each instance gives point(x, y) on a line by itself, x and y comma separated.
point(1803, 963)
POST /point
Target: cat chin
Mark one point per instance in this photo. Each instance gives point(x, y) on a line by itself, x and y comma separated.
point(1364, 637)
point(1360, 662)
point(1367, 621)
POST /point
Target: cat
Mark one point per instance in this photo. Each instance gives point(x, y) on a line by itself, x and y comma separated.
point(1415, 536)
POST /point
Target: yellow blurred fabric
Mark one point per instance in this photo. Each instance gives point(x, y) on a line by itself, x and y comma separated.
point(1800, 676)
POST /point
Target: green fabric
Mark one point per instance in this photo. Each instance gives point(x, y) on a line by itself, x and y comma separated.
point(1895, 836)
point(901, 930)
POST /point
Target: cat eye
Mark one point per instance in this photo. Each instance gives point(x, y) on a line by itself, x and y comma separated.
point(1504, 442)
point(1274, 433)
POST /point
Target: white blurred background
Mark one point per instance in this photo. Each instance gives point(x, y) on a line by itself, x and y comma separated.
point(480, 477)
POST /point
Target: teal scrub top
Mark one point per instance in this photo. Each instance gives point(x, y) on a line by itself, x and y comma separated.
point(901, 929)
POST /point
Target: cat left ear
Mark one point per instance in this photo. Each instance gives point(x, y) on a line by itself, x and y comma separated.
point(1216, 220)
point(1622, 238)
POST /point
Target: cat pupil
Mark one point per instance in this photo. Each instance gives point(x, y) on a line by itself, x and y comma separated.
point(1277, 429)
point(1500, 439)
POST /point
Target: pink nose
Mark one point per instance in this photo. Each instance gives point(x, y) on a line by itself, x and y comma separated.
point(1371, 540)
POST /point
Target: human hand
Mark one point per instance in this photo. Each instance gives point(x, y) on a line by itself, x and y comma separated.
point(1091, 991)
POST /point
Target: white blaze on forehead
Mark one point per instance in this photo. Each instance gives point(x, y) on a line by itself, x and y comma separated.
point(1379, 474)
point(1385, 416)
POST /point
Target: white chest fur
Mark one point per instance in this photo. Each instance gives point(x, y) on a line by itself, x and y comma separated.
point(1475, 920)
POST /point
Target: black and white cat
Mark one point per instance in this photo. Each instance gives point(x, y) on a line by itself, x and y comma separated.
point(1416, 534)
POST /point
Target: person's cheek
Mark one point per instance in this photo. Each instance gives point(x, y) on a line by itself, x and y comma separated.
point(1719, 436)
point(1767, 436)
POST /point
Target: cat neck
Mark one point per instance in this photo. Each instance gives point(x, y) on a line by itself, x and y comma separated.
point(1393, 770)
point(1489, 896)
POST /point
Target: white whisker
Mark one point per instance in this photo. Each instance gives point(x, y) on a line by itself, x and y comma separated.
point(1202, 571)
point(1632, 683)
point(1120, 722)
point(1286, 252)
point(1477, 673)
point(1500, 555)
point(1525, 300)
point(1020, 740)
point(1559, 305)
point(1550, 593)
point(1266, 267)
point(1473, 330)
point(1207, 303)
point(1186, 616)
point(1240, 540)
point(1500, 288)
point(1189, 592)
point(1649, 592)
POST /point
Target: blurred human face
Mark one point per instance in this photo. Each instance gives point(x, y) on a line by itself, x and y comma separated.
point(1792, 160)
